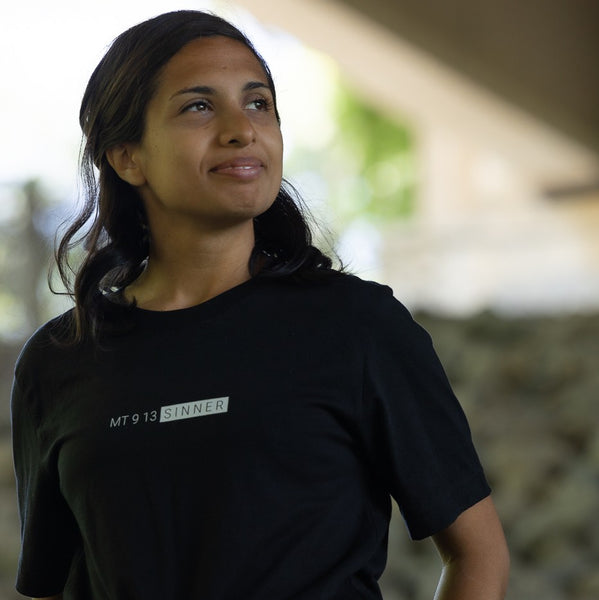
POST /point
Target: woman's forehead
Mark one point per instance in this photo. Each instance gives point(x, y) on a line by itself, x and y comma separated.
point(212, 56)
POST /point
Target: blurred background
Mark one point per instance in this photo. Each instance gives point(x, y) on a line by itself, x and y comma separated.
point(449, 149)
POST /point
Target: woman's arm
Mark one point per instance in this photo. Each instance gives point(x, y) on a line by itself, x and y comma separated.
point(475, 556)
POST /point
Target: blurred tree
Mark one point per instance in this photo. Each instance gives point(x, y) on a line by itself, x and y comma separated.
point(367, 170)
point(24, 259)
point(385, 152)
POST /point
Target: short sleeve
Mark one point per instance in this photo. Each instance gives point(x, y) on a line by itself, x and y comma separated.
point(48, 530)
point(415, 429)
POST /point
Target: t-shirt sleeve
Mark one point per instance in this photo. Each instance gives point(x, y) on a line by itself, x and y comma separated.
point(415, 428)
point(48, 530)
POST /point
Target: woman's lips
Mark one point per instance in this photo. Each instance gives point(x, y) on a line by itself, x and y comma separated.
point(243, 168)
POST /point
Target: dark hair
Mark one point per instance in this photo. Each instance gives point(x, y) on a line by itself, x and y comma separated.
point(111, 224)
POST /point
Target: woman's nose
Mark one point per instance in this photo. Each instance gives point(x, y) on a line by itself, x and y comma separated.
point(236, 129)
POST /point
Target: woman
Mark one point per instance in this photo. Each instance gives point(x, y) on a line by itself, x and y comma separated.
point(223, 415)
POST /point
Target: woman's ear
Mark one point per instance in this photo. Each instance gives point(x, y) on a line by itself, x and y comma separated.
point(122, 160)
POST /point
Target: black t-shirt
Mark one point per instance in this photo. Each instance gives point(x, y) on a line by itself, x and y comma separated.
point(245, 448)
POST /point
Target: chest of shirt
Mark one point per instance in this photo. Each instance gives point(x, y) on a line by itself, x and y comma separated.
point(279, 407)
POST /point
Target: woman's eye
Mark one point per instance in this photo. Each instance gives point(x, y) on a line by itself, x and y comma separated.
point(197, 106)
point(259, 104)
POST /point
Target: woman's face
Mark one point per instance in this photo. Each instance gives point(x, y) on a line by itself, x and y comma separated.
point(212, 148)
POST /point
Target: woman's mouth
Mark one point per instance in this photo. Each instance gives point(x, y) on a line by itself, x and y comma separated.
point(242, 168)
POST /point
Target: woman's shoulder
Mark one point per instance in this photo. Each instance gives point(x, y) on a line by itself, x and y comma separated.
point(363, 295)
point(335, 282)
point(350, 297)
point(46, 344)
point(363, 288)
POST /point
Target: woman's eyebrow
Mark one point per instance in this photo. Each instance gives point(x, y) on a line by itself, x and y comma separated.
point(197, 89)
point(207, 90)
point(254, 85)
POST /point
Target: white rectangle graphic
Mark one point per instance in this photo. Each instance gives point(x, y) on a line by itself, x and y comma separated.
point(191, 410)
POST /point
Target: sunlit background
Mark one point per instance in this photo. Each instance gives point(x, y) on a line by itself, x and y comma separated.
point(479, 211)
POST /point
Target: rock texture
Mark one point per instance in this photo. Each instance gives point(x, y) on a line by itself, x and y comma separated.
point(530, 388)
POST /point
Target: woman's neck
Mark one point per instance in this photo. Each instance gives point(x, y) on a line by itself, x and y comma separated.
point(187, 269)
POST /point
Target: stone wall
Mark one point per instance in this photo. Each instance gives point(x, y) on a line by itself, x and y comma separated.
point(530, 388)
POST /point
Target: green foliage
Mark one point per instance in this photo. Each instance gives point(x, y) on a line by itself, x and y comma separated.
point(377, 135)
point(368, 168)
point(384, 153)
